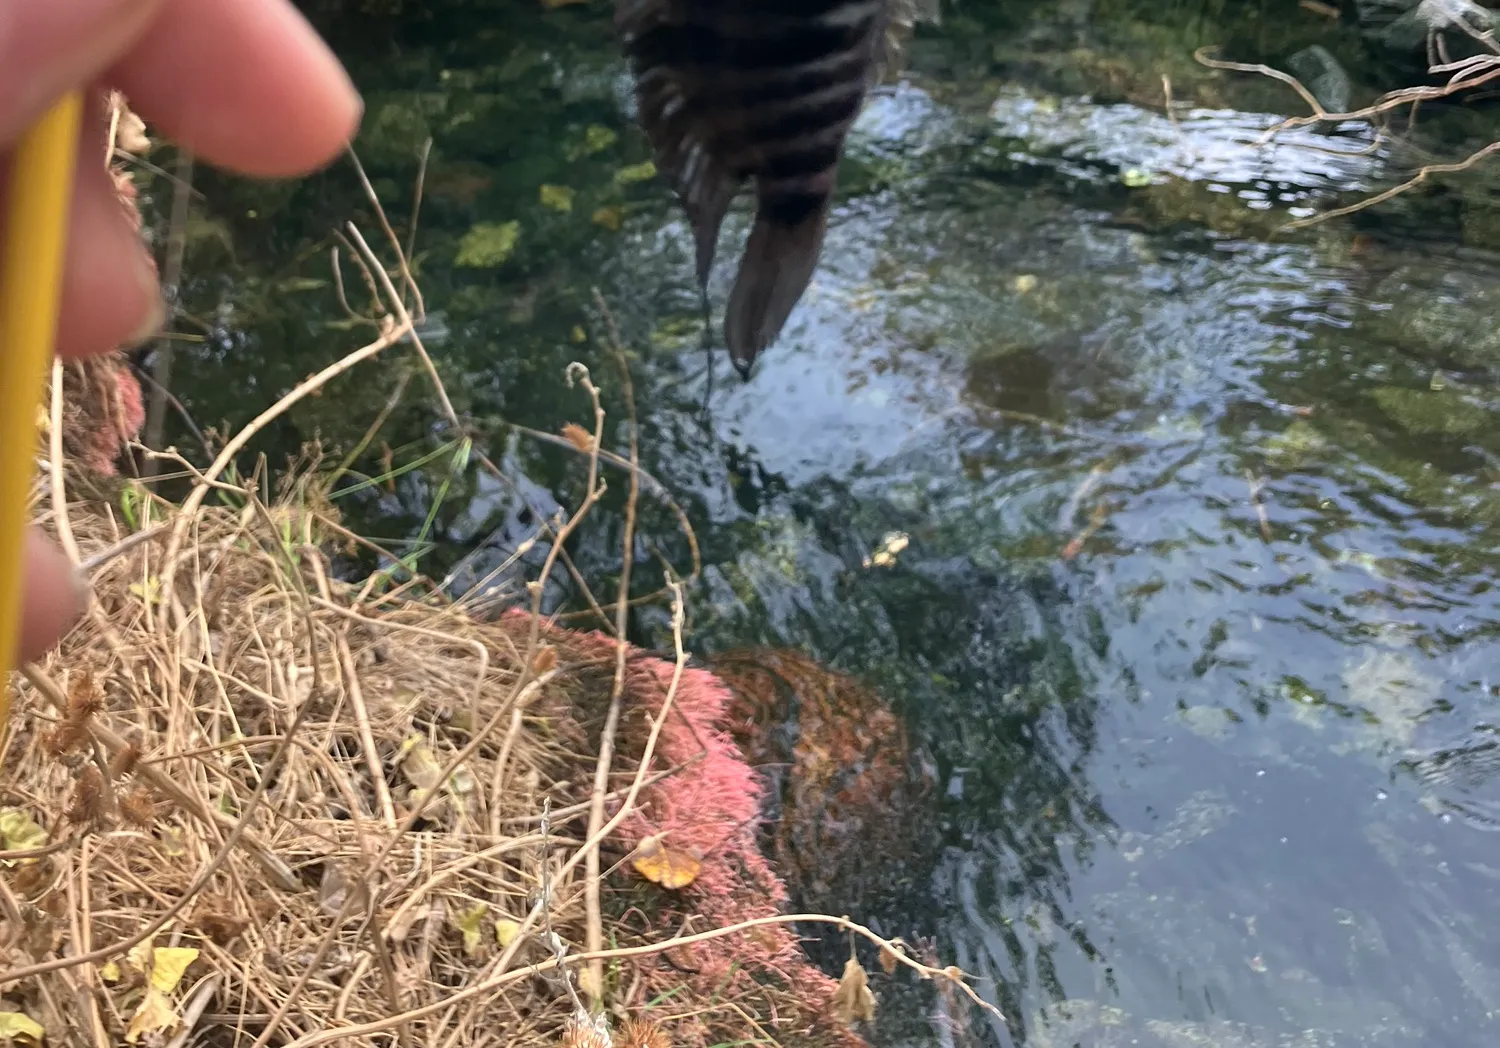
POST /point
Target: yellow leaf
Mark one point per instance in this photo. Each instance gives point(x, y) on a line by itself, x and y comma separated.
point(890, 547)
point(110, 971)
point(558, 198)
point(469, 922)
point(853, 999)
point(671, 868)
point(506, 931)
point(611, 217)
point(149, 591)
point(16, 1027)
point(488, 244)
point(167, 965)
point(580, 335)
point(636, 173)
point(597, 138)
point(139, 956)
point(171, 842)
point(155, 1015)
point(420, 764)
point(19, 831)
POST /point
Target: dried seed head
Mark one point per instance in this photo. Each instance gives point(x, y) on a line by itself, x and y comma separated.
point(63, 739)
point(643, 1033)
point(139, 807)
point(85, 698)
point(582, 1031)
point(88, 797)
point(124, 762)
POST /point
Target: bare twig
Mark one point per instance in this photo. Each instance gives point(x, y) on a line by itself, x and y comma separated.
point(161, 367)
point(595, 934)
point(1467, 75)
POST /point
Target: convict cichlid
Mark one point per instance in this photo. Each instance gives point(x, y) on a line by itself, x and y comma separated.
point(731, 91)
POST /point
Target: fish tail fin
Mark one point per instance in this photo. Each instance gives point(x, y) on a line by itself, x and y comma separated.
point(777, 267)
point(706, 202)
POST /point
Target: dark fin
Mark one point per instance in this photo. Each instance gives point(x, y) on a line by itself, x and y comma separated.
point(706, 200)
point(670, 104)
point(775, 271)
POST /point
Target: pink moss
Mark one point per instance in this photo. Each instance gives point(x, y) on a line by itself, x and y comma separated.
point(113, 411)
point(711, 808)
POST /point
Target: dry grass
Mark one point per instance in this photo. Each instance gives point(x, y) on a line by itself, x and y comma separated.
point(261, 700)
point(250, 803)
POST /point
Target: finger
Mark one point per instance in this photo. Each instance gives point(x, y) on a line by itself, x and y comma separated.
point(52, 47)
point(109, 292)
point(110, 296)
point(55, 596)
point(247, 84)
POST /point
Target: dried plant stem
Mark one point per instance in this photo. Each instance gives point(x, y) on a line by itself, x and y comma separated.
point(361, 711)
point(1466, 75)
point(56, 473)
point(276, 870)
point(952, 976)
point(161, 365)
point(627, 806)
point(393, 333)
point(594, 936)
point(241, 826)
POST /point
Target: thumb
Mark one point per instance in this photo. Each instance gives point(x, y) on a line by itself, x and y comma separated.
point(50, 47)
point(55, 596)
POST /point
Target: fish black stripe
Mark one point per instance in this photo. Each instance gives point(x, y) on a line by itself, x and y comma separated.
point(703, 49)
point(801, 121)
point(790, 207)
point(760, 19)
point(811, 9)
point(801, 160)
point(790, 84)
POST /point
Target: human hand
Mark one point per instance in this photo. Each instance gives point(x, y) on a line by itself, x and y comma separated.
point(246, 84)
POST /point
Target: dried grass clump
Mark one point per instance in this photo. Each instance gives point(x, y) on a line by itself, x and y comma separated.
point(254, 803)
point(237, 755)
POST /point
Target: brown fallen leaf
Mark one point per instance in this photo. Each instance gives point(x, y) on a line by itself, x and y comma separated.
point(579, 437)
point(545, 660)
point(672, 868)
point(888, 957)
point(853, 999)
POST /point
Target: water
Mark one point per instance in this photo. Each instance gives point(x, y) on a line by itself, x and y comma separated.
point(1196, 626)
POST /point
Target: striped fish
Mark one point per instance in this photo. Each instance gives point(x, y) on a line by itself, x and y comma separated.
point(731, 91)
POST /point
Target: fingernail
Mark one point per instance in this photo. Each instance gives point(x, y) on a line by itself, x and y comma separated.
point(48, 49)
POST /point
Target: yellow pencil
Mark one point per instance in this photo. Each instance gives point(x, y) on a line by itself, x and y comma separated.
point(31, 271)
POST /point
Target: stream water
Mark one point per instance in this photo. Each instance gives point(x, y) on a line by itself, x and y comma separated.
point(1195, 624)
